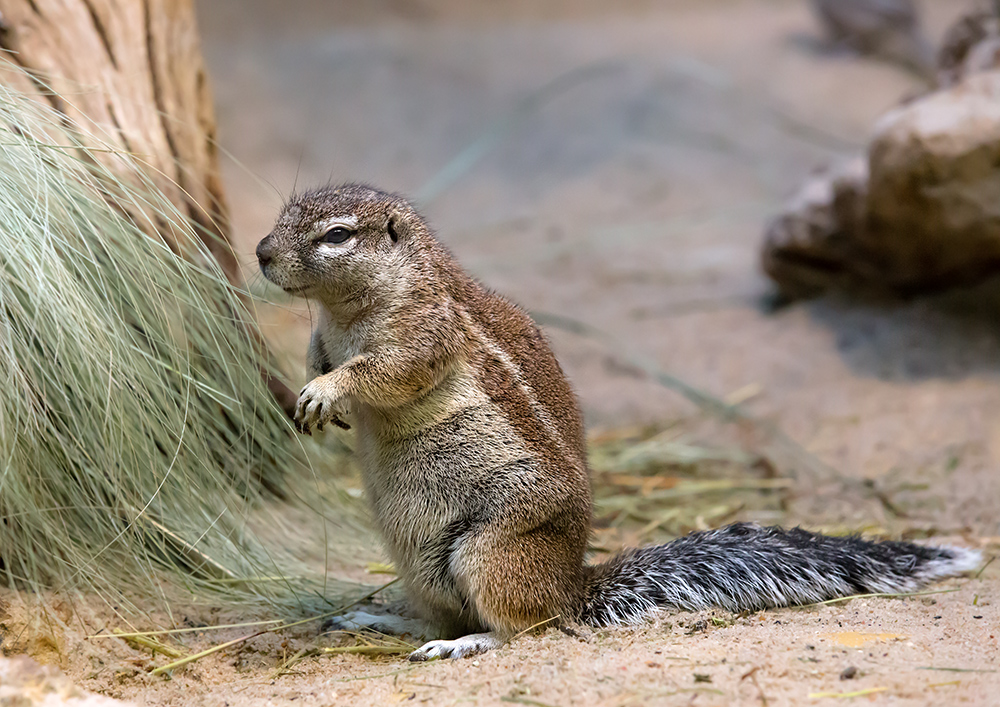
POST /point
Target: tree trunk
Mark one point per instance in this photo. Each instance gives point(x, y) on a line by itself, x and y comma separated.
point(131, 73)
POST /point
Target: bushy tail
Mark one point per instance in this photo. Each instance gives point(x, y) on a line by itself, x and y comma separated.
point(748, 567)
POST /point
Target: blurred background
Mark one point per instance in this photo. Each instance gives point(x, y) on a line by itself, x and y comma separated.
point(617, 163)
point(762, 235)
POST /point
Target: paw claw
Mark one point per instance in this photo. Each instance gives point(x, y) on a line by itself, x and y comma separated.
point(431, 651)
point(319, 404)
point(340, 423)
point(337, 623)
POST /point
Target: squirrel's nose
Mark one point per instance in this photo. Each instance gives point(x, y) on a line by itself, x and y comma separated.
point(265, 251)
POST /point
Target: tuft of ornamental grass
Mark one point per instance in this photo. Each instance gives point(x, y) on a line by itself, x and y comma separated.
point(136, 432)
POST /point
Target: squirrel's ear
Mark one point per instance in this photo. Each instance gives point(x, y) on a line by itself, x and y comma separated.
point(397, 226)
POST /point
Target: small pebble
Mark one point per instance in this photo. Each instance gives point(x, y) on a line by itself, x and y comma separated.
point(849, 673)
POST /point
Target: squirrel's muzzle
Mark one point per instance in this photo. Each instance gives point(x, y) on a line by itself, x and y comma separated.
point(265, 251)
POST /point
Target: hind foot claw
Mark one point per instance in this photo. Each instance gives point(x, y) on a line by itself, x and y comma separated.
point(473, 644)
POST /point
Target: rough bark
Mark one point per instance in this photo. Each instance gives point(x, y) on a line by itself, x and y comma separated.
point(131, 73)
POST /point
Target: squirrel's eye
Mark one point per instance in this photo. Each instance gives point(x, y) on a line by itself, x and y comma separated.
point(337, 234)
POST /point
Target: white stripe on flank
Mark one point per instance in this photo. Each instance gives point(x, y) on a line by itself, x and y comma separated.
point(541, 414)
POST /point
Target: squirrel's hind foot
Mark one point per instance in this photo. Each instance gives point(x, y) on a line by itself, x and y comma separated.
point(389, 624)
point(473, 644)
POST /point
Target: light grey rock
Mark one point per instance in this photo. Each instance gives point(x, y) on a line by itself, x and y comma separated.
point(970, 45)
point(811, 246)
point(922, 214)
point(934, 187)
point(885, 28)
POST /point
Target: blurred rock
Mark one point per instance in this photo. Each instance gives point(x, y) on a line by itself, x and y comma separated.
point(924, 215)
point(970, 45)
point(934, 187)
point(810, 247)
point(885, 28)
point(25, 683)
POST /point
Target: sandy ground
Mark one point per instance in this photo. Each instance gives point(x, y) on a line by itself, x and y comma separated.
point(632, 198)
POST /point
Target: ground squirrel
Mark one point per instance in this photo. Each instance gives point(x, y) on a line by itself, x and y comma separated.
point(472, 448)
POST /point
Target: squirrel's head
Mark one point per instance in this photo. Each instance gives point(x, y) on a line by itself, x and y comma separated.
point(333, 242)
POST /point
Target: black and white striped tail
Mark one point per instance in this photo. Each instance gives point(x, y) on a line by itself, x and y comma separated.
point(748, 567)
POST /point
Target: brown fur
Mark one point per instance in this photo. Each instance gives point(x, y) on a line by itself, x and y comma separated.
point(470, 437)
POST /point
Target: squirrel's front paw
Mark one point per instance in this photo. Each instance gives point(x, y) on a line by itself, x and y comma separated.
point(320, 403)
